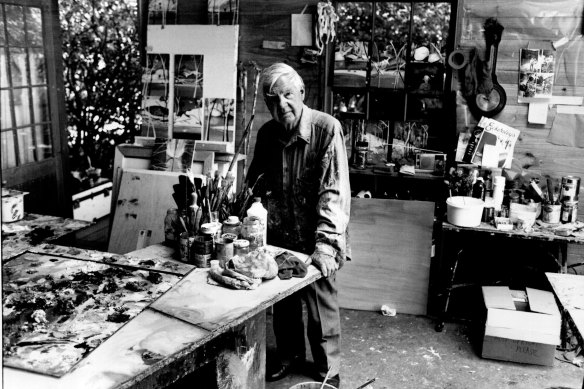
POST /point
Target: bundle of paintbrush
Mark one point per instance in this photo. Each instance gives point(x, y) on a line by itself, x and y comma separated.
point(186, 195)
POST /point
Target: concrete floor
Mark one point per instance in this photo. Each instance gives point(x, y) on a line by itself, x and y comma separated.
point(406, 352)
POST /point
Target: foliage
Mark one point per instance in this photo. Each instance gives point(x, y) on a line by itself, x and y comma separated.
point(392, 23)
point(102, 78)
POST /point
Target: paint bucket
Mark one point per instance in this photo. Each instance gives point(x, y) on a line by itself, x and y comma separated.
point(464, 211)
point(202, 250)
point(312, 385)
point(12, 205)
point(551, 213)
point(570, 189)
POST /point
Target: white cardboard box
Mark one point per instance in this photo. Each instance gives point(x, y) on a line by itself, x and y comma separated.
point(93, 203)
point(518, 332)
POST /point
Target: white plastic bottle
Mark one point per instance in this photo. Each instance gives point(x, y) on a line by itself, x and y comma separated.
point(258, 210)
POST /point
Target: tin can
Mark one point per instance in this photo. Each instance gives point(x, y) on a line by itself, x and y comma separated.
point(488, 214)
point(550, 213)
point(569, 212)
point(570, 189)
point(224, 250)
point(202, 250)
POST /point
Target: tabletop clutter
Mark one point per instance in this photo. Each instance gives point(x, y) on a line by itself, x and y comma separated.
point(486, 195)
point(227, 235)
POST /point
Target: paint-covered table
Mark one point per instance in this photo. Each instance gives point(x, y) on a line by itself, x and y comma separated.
point(193, 324)
point(458, 240)
point(34, 229)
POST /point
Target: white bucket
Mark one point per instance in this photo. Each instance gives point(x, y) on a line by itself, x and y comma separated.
point(464, 211)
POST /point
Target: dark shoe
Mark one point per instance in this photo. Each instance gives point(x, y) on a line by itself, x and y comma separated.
point(282, 369)
point(335, 381)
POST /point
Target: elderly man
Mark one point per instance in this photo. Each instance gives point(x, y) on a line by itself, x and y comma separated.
point(301, 154)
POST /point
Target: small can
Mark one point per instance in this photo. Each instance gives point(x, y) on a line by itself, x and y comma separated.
point(570, 189)
point(550, 213)
point(202, 250)
point(488, 214)
point(569, 212)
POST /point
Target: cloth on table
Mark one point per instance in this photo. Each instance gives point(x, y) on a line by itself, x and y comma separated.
point(290, 266)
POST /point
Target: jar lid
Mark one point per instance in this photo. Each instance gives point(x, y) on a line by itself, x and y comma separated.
point(210, 228)
point(232, 220)
point(241, 243)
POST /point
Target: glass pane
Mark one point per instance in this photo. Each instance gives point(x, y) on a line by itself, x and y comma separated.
point(352, 47)
point(37, 67)
point(2, 36)
point(34, 25)
point(15, 21)
point(431, 25)
point(40, 104)
point(3, 69)
point(43, 142)
point(18, 68)
point(25, 145)
point(5, 115)
point(390, 40)
point(22, 107)
point(8, 155)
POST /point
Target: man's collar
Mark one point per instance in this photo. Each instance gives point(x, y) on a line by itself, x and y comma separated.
point(304, 126)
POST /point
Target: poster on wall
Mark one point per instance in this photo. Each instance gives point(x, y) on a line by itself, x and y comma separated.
point(536, 73)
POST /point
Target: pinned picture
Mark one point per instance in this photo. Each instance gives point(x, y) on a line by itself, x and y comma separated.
point(536, 73)
point(155, 84)
point(172, 155)
point(162, 11)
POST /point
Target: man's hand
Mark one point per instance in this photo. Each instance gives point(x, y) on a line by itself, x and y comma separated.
point(326, 263)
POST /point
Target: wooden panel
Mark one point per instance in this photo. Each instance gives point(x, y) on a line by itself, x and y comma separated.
point(218, 45)
point(391, 242)
point(143, 199)
point(214, 307)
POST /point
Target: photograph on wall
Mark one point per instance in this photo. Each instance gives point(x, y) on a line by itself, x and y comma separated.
point(188, 70)
point(409, 138)
point(155, 91)
point(188, 96)
point(425, 78)
point(172, 155)
point(162, 11)
point(219, 119)
point(536, 73)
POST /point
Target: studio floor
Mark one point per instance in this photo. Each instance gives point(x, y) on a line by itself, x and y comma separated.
point(406, 352)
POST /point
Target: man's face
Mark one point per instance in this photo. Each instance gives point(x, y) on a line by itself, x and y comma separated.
point(285, 102)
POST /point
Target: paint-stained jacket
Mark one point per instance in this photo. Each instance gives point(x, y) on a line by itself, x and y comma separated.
point(305, 184)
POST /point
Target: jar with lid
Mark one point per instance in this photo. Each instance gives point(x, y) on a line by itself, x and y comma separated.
point(232, 225)
point(170, 226)
point(252, 230)
point(257, 210)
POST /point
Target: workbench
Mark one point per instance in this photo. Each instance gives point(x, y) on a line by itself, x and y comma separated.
point(192, 324)
point(455, 240)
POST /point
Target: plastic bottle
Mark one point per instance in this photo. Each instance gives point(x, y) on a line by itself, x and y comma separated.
point(258, 210)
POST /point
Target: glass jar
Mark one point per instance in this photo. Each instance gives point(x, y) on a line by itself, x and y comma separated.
point(232, 225)
point(252, 230)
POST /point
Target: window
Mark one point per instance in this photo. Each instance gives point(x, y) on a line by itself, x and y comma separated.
point(24, 109)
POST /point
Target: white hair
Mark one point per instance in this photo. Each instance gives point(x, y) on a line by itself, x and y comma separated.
point(274, 72)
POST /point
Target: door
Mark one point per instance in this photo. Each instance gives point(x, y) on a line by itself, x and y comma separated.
point(32, 111)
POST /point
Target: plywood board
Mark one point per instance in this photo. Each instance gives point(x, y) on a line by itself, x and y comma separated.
point(143, 199)
point(217, 44)
point(213, 307)
point(56, 310)
point(391, 242)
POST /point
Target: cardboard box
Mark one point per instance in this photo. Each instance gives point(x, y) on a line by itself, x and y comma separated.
point(518, 330)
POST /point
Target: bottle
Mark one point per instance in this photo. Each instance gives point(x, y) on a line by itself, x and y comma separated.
point(170, 226)
point(498, 191)
point(257, 210)
point(478, 189)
